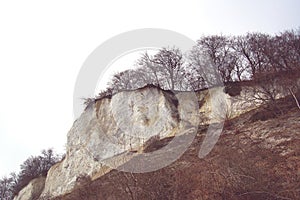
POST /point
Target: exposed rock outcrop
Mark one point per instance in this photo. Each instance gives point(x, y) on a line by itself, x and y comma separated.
point(33, 190)
point(252, 160)
point(110, 129)
point(117, 126)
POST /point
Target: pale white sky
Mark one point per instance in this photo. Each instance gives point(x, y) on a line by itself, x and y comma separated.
point(44, 43)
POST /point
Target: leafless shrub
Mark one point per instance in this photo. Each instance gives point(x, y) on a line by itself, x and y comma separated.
point(33, 167)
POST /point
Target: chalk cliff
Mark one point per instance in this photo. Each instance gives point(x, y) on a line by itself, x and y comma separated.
point(114, 130)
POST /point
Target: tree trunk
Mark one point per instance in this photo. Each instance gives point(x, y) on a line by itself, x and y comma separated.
point(293, 94)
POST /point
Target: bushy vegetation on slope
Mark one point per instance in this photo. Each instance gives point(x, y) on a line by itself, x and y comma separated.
point(33, 167)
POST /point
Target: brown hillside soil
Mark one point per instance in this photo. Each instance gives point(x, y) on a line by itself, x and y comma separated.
point(252, 160)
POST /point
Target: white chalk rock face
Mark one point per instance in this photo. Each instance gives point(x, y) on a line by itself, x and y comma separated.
point(117, 126)
point(33, 190)
point(111, 132)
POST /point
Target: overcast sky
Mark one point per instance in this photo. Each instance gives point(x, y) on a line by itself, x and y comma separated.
point(43, 44)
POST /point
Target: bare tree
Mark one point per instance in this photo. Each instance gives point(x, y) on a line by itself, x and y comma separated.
point(217, 60)
point(126, 80)
point(164, 69)
point(31, 168)
point(148, 70)
point(169, 62)
point(214, 59)
point(194, 80)
point(241, 53)
point(251, 49)
point(5, 188)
